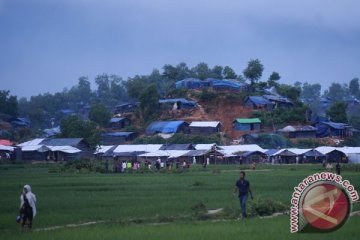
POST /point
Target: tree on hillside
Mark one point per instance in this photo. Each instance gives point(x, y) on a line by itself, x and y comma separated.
point(217, 72)
point(149, 102)
point(291, 92)
point(310, 92)
point(337, 112)
point(229, 73)
point(8, 104)
point(354, 87)
point(75, 127)
point(99, 114)
point(110, 90)
point(253, 71)
point(273, 79)
point(202, 71)
point(336, 92)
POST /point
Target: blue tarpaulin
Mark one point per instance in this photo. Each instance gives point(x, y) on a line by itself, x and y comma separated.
point(164, 127)
point(192, 83)
point(226, 84)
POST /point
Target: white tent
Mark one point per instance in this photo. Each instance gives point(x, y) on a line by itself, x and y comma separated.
point(242, 148)
point(33, 142)
point(137, 148)
point(6, 148)
point(30, 148)
point(64, 149)
point(103, 149)
point(205, 146)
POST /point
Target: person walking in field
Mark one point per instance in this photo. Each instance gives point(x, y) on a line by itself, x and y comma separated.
point(242, 186)
point(27, 207)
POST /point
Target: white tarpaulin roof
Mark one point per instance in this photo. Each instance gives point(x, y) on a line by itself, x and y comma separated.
point(103, 149)
point(159, 153)
point(33, 142)
point(349, 150)
point(227, 153)
point(325, 149)
point(165, 153)
point(177, 153)
point(204, 146)
point(242, 148)
point(204, 124)
point(137, 148)
point(6, 148)
point(30, 148)
point(299, 151)
point(64, 149)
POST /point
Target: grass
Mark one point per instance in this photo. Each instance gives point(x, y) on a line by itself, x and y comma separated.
point(123, 200)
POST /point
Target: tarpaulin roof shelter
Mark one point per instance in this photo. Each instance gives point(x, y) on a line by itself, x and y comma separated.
point(32, 142)
point(205, 146)
point(64, 149)
point(188, 146)
point(192, 83)
point(137, 148)
point(226, 83)
point(290, 128)
point(49, 132)
point(242, 148)
point(116, 119)
point(61, 141)
point(5, 142)
point(103, 149)
point(195, 153)
point(277, 98)
point(313, 153)
point(247, 120)
point(259, 100)
point(182, 101)
point(165, 127)
point(117, 134)
point(38, 148)
point(6, 148)
point(212, 124)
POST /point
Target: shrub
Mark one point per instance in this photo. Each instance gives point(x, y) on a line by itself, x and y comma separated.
point(265, 207)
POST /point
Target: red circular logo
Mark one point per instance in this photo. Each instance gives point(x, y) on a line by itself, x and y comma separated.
point(325, 206)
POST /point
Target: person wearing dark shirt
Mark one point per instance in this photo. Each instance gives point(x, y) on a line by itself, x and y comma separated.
point(242, 186)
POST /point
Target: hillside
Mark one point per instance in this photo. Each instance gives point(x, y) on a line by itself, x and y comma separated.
point(224, 108)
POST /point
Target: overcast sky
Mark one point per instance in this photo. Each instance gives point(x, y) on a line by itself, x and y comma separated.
point(47, 45)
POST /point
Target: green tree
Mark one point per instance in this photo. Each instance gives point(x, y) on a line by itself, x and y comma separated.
point(202, 71)
point(274, 79)
point(310, 92)
point(110, 90)
point(253, 71)
point(217, 71)
point(336, 92)
point(75, 127)
point(8, 104)
point(99, 114)
point(149, 102)
point(229, 73)
point(354, 87)
point(291, 92)
point(337, 112)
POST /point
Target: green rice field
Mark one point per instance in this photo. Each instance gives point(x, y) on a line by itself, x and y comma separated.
point(153, 205)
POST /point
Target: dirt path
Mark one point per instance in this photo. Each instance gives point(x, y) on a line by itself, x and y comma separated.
point(210, 212)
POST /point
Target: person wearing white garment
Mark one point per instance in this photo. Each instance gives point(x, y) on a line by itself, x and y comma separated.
point(27, 207)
